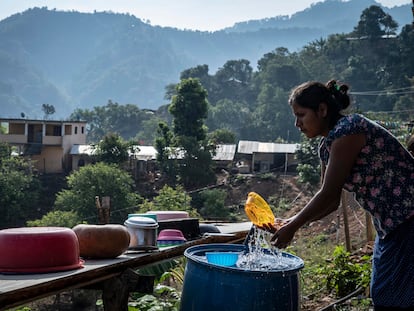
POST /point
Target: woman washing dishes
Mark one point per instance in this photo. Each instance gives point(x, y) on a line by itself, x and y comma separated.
point(362, 157)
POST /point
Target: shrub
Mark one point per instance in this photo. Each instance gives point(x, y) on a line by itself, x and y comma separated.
point(344, 275)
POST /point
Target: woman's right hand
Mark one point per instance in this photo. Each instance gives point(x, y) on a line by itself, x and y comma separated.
point(284, 235)
point(273, 228)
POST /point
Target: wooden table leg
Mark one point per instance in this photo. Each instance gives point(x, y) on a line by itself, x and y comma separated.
point(116, 290)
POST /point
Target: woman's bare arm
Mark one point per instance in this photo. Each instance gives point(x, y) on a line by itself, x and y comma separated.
point(343, 154)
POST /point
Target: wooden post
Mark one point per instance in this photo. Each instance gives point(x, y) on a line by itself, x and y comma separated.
point(344, 204)
point(106, 206)
point(116, 290)
point(104, 210)
point(99, 210)
point(370, 227)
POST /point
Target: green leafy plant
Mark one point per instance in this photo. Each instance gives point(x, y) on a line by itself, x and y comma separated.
point(169, 199)
point(344, 275)
point(56, 218)
point(213, 206)
point(167, 290)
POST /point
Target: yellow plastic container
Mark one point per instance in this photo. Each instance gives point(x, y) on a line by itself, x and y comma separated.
point(258, 210)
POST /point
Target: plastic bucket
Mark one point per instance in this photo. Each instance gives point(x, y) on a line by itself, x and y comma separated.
point(211, 287)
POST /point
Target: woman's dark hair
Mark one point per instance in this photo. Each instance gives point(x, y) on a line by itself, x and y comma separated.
point(311, 94)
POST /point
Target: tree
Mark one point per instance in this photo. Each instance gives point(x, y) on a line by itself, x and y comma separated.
point(169, 199)
point(222, 136)
point(219, 116)
point(214, 204)
point(272, 118)
point(189, 108)
point(48, 110)
point(125, 120)
point(67, 219)
point(232, 81)
point(101, 180)
point(112, 149)
point(163, 143)
point(19, 190)
point(309, 168)
point(374, 23)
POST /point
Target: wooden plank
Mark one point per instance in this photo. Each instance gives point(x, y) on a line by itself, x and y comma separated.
point(16, 290)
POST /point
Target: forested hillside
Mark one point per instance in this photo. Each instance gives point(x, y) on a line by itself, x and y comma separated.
point(74, 60)
point(373, 59)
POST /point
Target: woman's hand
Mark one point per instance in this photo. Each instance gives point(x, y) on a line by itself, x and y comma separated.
point(273, 228)
point(282, 237)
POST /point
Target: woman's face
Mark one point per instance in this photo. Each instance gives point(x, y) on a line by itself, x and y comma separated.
point(311, 123)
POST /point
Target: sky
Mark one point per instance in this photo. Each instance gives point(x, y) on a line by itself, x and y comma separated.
point(203, 15)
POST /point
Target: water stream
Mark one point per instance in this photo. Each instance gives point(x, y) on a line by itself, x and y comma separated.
point(262, 256)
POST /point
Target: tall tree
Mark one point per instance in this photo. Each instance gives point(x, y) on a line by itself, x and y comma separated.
point(232, 81)
point(166, 162)
point(189, 108)
point(374, 23)
point(19, 189)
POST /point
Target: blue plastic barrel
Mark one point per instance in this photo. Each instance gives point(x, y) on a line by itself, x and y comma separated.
point(210, 287)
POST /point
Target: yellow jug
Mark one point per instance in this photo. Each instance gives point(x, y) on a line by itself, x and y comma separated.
point(258, 210)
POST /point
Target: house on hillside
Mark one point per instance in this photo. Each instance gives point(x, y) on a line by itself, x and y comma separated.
point(142, 162)
point(141, 159)
point(254, 156)
point(224, 156)
point(82, 155)
point(47, 144)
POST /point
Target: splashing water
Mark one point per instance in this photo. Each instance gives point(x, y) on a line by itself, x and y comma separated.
point(263, 256)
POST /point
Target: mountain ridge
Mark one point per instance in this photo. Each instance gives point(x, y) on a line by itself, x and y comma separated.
point(81, 60)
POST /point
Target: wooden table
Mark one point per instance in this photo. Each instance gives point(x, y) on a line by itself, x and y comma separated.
point(111, 274)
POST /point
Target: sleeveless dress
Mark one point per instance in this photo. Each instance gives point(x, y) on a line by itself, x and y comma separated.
point(382, 181)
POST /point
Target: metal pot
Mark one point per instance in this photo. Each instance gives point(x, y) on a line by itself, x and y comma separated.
point(143, 233)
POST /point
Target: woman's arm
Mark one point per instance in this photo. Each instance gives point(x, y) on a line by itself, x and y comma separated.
point(343, 154)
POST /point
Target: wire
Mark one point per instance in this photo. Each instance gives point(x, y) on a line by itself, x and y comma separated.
point(398, 91)
point(390, 112)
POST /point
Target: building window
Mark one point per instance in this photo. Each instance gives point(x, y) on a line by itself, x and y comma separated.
point(76, 130)
point(68, 129)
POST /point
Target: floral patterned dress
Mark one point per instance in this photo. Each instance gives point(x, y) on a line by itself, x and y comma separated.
point(383, 182)
point(383, 175)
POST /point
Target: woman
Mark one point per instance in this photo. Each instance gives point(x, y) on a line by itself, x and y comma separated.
point(362, 157)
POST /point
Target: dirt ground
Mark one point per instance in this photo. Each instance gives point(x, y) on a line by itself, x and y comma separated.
point(295, 196)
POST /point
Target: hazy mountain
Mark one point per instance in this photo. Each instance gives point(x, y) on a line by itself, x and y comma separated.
point(78, 60)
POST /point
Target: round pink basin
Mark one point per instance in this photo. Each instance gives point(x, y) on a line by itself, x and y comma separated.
point(38, 250)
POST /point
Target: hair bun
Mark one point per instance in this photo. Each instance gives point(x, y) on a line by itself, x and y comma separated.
point(343, 89)
point(339, 93)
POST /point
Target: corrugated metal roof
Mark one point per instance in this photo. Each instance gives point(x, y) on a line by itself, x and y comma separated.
point(250, 147)
point(82, 149)
point(225, 153)
point(145, 153)
point(247, 146)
